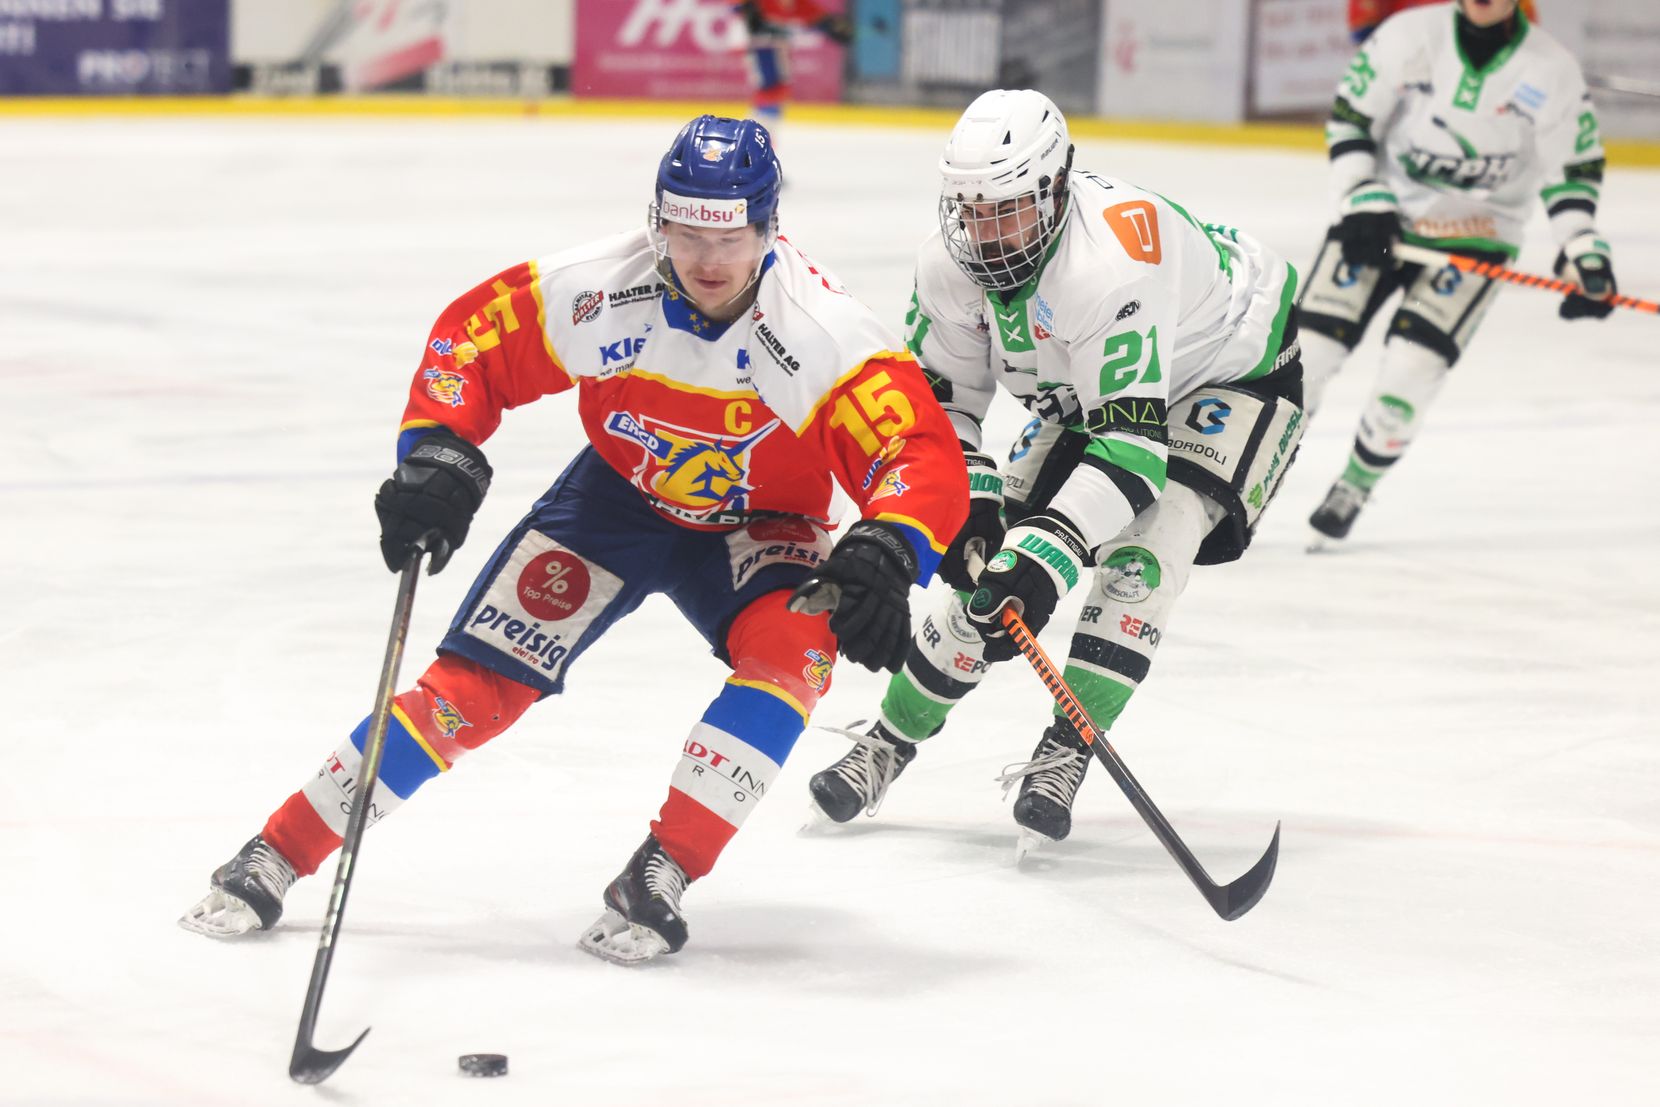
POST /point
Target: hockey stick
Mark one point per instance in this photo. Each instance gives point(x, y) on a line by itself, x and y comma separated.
point(1228, 900)
point(1425, 256)
point(1624, 84)
point(310, 1065)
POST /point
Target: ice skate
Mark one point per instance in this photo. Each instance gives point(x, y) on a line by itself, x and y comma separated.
point(1336, 514)
point(642, 916)
point(860, 780)
point(247, 893)
point(1049, 782)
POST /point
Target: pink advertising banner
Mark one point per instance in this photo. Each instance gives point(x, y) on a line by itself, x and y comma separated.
point(686, 50)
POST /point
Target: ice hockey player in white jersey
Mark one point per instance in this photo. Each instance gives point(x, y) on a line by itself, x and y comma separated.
point(1451, 123)
point(1159, 358)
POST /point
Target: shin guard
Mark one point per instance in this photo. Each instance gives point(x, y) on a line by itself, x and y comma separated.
point(781, 665)
point(454, 707)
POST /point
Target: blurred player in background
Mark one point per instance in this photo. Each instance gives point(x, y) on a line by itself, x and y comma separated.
point(1158, 356)
point(1450, 125)
point(770, 24)
point(724, 381)
point(1365, 15)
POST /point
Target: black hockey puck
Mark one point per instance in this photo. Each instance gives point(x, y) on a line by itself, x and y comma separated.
point(483, 1064)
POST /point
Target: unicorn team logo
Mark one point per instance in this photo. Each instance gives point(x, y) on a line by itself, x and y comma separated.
point(893, 483)
point(445, 387)
point(883, 456)
point(817, 670)
point(692, 474)
point(448, 717)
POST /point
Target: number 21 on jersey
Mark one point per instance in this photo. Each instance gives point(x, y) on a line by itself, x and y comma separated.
point(1131, 358)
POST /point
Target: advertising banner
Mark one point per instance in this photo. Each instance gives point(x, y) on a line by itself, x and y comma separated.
point(685, 50)
point(114, 47)
point(1301, 50)
point(1178, 59)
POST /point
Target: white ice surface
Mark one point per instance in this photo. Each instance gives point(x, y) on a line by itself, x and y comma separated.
point(208, 331)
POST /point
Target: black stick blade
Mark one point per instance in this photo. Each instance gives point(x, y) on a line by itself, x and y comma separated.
point(311, 1065)
point(1247, 891)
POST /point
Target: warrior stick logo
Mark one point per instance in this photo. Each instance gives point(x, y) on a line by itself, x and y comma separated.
point(691, 472)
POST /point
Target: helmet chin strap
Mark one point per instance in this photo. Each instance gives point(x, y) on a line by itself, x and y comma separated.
point(665, 269)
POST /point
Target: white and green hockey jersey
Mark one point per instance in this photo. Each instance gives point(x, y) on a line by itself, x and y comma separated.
point(1464, 150)
point(1136, 305)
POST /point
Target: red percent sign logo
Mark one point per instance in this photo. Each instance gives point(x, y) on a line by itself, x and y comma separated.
point(554, 585)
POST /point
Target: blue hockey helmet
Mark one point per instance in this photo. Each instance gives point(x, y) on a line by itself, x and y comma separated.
point(719, 173)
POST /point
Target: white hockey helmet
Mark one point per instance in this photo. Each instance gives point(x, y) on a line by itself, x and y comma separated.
point(1009, 145)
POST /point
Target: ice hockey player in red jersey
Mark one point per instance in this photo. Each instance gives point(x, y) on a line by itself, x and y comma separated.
point(770, 24)
point(724, 381)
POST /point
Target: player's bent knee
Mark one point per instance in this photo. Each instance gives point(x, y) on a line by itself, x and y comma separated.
point(1232, 444)
point(1339, 299)
point(1441, 311)
point(789, 652)
point(458, 705)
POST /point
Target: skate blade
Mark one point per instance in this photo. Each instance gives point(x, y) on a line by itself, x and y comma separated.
point(1320, 542)
point(1028, 843)
point(818, 821)
point(220, 915)
point(613, 938)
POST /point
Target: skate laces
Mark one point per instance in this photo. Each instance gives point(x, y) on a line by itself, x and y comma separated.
point(269, 870)
point(664, 878)
point(1056, 773)
point(1345, 498)
point(870, 766)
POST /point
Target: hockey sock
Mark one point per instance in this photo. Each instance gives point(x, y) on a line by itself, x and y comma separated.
point(1322, 357)
point(945, 663)
point(454, 707)
point(1411, 379)
point(1141, 574)
point(781, 664)
point(726, 766)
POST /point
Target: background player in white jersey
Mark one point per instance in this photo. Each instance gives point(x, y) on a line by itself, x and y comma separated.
point(1159, 357)
point(1451, 123)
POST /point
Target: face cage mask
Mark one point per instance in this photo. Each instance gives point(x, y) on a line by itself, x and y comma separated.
point(665, 264)
point(979, 243)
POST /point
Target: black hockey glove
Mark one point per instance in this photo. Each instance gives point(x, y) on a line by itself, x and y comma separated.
point(1370, 224)
point(985, 521)
point(1040, 561)
point(435, 491)
point(874, 568)
point(1591, 267)
point(838, 28)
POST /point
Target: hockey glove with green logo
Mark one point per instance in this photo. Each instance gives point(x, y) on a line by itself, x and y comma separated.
point(1585, 260)
point(435, 491)
point(1041, 560)
point(985, 521)
point(1370, 224)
